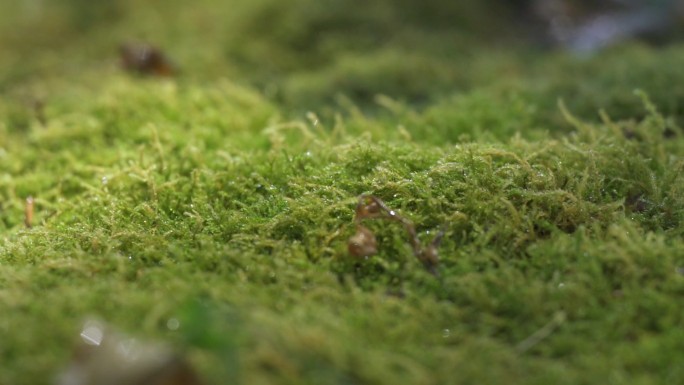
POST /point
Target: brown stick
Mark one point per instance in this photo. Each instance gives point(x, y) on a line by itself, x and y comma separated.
point(28, 212)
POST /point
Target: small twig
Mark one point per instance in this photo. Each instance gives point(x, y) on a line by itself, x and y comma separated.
point(28, 212)
point(38, 106)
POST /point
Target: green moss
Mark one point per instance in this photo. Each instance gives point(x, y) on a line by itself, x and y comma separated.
point(226, 208)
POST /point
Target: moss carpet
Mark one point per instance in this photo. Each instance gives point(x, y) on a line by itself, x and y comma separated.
point(212, 210)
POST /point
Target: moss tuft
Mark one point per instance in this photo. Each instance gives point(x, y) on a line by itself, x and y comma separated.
point(224, 198)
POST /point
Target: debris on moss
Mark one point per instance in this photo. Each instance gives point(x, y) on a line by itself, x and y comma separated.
point(28, 212)
point(210, 210)
point(364, 244)
point(106, 357)
point(145, 59)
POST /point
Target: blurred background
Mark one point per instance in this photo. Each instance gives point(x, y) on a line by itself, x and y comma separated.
point(309, 52)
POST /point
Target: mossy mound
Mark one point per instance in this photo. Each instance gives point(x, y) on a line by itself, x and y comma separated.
point(222, 199)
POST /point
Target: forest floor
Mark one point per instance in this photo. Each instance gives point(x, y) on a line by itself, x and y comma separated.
point(212, 210)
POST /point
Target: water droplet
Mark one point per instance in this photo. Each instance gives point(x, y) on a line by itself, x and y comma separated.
point(173, 324)
point(312, 118)
point(446, 333)
point(129, 349)
point(92, 333)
